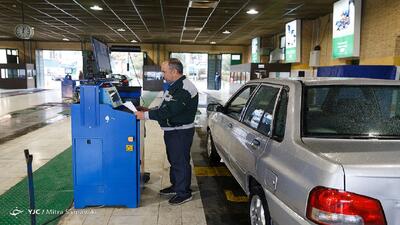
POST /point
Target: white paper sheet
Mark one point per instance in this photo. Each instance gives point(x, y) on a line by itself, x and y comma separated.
point(130, 106)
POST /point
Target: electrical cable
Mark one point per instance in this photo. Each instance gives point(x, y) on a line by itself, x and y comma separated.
point(60, 215)
point(136, 75)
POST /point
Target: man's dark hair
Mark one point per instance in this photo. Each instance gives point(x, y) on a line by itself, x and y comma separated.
point(176, 64)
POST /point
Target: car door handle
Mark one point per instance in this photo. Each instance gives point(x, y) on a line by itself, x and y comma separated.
point(230, 125)
point(255, 143)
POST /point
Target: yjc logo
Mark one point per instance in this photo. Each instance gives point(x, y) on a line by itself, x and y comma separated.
point(16, 212)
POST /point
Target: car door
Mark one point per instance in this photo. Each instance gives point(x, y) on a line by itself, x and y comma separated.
point(268, 165)
point(249, 142)
point(229, 120)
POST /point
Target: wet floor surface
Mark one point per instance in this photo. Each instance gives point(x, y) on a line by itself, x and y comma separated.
point(21, 122)
point(19, 92)
point(224, 202)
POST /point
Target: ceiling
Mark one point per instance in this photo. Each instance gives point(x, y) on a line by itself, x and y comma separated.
point(156, 21)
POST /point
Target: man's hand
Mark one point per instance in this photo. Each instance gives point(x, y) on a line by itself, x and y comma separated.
point(139, 115)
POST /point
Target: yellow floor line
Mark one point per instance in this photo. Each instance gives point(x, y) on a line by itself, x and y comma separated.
point(232, 198)
point(212, 171)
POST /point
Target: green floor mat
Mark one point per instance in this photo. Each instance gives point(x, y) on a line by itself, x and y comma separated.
point(53, 188)
point(53, 193)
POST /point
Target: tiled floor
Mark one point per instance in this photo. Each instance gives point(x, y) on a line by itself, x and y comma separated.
point(44, 144)
point(154, 209)
point(14, 103)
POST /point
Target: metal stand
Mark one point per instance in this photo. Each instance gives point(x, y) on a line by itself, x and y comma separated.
point(29, 159)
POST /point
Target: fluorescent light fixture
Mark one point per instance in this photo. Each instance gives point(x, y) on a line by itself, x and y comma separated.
point(133, 41)
point(226, 32)
point(203, 4)
point(252, 12)
point(192, 28)
point(213, 42)
point(121, 29)
point(96, 8)
point(65, 39)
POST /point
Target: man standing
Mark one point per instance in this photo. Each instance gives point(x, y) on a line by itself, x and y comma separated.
point(176, 115)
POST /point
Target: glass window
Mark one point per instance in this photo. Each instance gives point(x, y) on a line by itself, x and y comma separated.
point(352, 111)
point(260, 110)
point(3, 56)
point(261, 106)
point(236, 105)
point(280, 116)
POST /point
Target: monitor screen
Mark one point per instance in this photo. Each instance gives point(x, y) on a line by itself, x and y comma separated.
point(101, 56)
point(114, 96)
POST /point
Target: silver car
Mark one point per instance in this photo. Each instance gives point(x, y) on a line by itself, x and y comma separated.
point(313, 151)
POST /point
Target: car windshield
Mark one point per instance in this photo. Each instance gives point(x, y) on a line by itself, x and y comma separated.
point(351, 111)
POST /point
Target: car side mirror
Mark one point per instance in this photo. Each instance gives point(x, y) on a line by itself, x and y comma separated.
point(215, 107)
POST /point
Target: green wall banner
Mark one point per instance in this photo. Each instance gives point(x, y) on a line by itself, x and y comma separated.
point(293, 41)
point(346, 29)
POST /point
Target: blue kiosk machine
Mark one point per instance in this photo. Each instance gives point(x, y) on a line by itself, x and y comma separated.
point(105, 149)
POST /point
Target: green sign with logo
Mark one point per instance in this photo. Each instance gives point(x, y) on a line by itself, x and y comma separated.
point(292, 41)
point(291, 55)
point(343, 46)
point(346, 29)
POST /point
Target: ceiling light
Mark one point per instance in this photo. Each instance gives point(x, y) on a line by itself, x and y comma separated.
point(213, 42)
point(193, 28)
point(203, 4)
point(252, 12)
point(226, 32)
point(121, 29)
point(96, 7)
point(65, 39)
point(133, 41)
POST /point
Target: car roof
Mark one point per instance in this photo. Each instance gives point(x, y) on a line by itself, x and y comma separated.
point(311, 81)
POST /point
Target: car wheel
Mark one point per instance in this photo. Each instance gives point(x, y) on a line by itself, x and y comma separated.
point(259, 213)
point(212, 154)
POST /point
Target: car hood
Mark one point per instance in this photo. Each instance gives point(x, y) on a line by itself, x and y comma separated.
point(351, 152)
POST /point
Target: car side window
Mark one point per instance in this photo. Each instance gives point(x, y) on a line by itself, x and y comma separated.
point(237, 104)
point(280, 116)
point(259, 112)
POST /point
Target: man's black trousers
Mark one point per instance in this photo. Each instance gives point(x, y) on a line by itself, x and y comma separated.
point(178, 143)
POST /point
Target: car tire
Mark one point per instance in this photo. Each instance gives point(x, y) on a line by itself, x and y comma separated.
point(258, 207)
point(212, 154)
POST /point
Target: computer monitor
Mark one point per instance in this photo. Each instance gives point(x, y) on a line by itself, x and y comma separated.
point(101, 56)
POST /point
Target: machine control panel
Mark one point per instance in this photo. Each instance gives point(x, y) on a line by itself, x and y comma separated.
point(110, 96)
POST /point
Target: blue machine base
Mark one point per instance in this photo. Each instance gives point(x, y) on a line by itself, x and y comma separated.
point(105, 154)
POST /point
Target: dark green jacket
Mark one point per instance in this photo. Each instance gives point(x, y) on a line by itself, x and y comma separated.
point(179, 105)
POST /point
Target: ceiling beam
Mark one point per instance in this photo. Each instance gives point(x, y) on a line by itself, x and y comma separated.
point(116, 15)
point(184, 22)
point(46, 14)
point(48, 24)
point(140, 16)
point(205, 23)
point(76, 2)
point(72, 16)
point(222, 27)
point(162, 15)
point(248, 22)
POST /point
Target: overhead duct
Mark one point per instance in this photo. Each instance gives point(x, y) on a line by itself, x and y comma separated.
point(203, 4)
